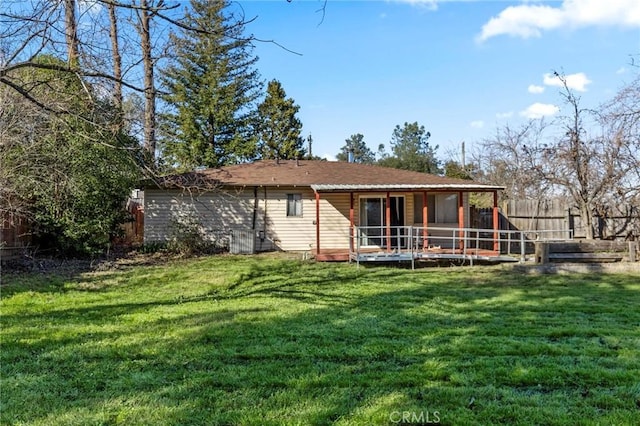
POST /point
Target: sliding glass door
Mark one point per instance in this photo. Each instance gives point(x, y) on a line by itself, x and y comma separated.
point(373, 221)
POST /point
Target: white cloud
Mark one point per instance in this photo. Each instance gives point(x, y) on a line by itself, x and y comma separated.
point(427, 4)
point(477, 124)
point(539, 110)
point(535, 89)
point(503, 115)
point(577, 81)
point(91, 7)
point(621, 70)
point(527, 20)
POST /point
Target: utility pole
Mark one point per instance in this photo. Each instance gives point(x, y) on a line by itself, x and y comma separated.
point(463, 157)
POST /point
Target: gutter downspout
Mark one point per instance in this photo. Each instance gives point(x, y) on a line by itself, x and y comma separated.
point(255, 208)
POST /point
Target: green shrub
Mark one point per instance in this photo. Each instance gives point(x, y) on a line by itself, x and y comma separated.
point(187, 237)
point(153, 247)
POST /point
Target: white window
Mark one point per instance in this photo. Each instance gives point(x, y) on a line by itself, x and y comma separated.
point(447, 208)
point(294, 205)
point(442, 208)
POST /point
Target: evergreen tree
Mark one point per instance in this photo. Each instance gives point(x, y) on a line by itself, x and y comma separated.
point(455, 170)
point(279, 128)
point(361, 152)
point(411, 150)
point(213, 87)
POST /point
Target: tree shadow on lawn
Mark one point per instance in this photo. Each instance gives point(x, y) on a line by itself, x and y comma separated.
point(505, 351)
point(351, 362)
point(104, 276)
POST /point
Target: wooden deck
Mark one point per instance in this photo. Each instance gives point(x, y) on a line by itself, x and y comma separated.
point(410, 243)
point(377, 255)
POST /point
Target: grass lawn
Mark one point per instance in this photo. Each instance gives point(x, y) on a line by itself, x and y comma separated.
point(266, 340)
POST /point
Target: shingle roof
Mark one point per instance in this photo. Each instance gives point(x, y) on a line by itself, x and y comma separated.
point(324, 176)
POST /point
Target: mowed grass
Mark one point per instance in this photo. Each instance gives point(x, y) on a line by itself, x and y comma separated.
point(267, 340)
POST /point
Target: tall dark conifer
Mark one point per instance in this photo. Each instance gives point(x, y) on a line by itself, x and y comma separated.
point(213, 87)
point(279, 128)
point(357, 146)
point(411, 150)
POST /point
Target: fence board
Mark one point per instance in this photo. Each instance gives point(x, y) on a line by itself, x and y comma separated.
point(620, 222)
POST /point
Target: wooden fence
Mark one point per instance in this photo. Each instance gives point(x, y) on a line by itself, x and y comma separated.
point(15, 236)
point(133, 229)
point(16, 232)
point(620, 222)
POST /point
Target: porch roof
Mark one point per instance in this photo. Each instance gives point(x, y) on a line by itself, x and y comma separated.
point(405, 187)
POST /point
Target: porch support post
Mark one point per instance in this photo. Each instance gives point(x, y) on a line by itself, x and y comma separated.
point(351, 216)
point(388, 216)
point(496, 222)
point(461, 219)
point(317, 223)
point(425, 221)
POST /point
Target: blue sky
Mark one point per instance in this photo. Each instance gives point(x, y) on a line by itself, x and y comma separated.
point(460, 68)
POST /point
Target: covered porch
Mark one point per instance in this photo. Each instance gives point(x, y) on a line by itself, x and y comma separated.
point(382, 229)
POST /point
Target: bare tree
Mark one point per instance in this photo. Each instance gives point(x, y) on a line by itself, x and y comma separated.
point(71, 33)
point(74, 30)
point(116, 56)
point(45, 27)
point(145, 16)
point(511, 158)
point(589, 161)
point(620, 121)
point(621, 117)
point(592, 159)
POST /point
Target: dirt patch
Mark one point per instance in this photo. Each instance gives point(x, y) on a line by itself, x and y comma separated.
point(28, 264)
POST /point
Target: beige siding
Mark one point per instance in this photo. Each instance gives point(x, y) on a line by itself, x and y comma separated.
point(290, 233)
point(216, 213)
point(299, 233)
point(220, 212)
point(334, 221)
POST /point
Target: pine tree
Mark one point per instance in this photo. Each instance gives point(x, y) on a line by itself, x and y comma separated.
point(411, 150)
point(361, 152)
point(279, 128)
point(213, 88)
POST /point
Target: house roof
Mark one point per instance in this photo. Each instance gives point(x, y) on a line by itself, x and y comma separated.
point(322, 176)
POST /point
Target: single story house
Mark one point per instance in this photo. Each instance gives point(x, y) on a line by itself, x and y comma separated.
point(315, 206)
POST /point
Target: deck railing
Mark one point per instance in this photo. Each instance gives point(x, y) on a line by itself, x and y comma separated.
point(466, 243)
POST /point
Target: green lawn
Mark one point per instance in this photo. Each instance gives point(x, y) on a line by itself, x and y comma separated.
point(268, 340)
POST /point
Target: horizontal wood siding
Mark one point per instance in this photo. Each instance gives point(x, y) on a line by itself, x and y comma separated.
point(334, 221)
point(216, 213)
point(291, 233)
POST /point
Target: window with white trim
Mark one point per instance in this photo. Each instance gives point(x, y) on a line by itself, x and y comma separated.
point(294, 205)
point(442, 208)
